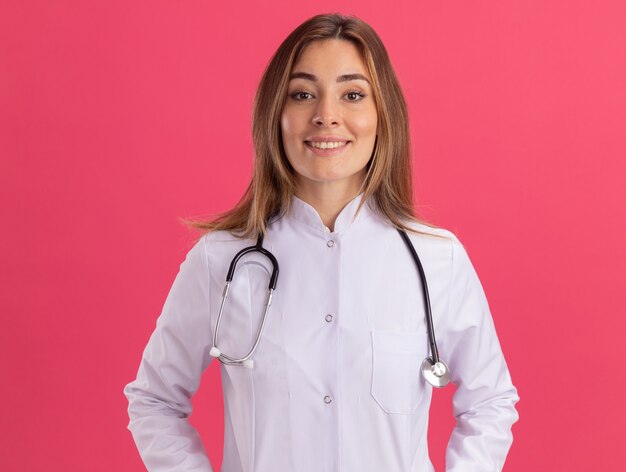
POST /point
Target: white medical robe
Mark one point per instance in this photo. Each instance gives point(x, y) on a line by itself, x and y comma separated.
point(336, 383)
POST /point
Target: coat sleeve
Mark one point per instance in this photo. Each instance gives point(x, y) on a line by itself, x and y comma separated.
point(484, 402)
point(159, 400)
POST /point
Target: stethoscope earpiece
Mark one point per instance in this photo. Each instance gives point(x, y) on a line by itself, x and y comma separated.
point(215, 352)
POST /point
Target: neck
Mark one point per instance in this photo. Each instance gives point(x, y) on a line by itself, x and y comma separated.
point(328, 200)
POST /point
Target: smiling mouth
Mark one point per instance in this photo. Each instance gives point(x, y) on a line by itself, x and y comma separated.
point(326, 144)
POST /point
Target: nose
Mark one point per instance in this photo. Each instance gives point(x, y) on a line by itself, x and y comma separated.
point(326, 113)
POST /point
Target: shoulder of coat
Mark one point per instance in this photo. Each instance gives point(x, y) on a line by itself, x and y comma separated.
point(419, 229)
point(223, 240)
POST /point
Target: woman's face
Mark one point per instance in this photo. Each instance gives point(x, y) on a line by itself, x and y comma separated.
point(329, 120)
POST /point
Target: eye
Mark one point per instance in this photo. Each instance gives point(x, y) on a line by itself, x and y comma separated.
point(354, 96)
point(300, 95)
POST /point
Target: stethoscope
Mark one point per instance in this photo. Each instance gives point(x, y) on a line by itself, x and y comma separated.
point(434, 370)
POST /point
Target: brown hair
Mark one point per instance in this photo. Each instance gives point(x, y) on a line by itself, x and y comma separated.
point(388, 181)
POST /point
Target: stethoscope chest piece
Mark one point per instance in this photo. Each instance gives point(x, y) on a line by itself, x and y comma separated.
point(436, 373)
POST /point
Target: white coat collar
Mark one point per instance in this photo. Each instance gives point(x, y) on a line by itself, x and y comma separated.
point(304, 213)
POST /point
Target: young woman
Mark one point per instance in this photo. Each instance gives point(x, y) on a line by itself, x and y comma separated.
point(326, 372)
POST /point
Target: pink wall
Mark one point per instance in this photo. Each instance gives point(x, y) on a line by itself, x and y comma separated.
point(118, 117)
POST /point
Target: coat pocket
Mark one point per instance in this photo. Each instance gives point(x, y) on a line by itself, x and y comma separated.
point(397, 384)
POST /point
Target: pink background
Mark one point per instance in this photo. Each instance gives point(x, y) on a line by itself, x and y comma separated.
point(119, 117)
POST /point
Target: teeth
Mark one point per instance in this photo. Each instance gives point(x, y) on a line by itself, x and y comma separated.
point(327, 145)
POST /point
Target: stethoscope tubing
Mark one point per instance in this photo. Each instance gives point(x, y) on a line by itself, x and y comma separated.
point(429, 314)
point(258, 247)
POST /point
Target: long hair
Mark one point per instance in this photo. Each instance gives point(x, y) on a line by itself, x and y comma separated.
point(389, 176)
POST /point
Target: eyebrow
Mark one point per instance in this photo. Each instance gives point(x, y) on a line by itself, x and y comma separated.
point(341, 78)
